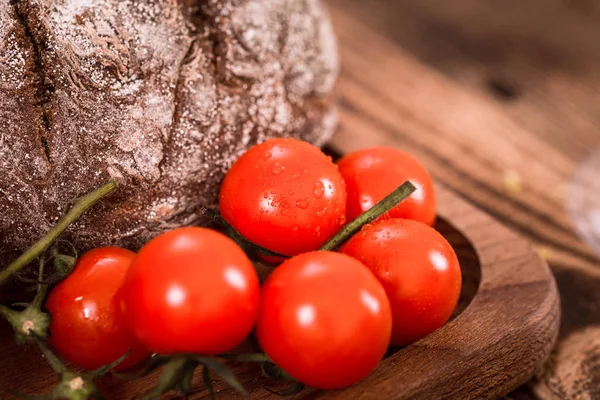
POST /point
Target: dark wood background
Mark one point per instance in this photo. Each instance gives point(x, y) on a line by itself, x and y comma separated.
point(500, 99)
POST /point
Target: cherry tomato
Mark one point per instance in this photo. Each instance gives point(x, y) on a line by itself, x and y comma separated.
point(87, 326)
point(324, 319)
point(191, 290)
point(371, 174)
point(418, 269)
point(285, 195)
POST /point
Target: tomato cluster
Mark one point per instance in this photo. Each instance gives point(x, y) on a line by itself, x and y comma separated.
point(326, 318)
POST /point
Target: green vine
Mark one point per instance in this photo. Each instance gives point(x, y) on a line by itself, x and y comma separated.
point(79, 207)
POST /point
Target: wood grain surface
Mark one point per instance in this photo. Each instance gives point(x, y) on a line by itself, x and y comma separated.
point(486, 93)
point(479, 91)
point(503, 330)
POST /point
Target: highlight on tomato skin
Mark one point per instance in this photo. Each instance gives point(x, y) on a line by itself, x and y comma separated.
point(191, 290)
point(324, 319)
point(285, 195)
point(373, 173)
point(418, 269)
point(87, 326)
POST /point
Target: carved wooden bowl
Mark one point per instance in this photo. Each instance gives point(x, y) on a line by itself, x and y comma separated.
point(504, 327)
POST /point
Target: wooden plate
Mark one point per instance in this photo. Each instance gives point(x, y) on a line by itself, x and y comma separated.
point(504, 328)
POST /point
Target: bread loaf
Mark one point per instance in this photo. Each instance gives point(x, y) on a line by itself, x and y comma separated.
point(162, 94)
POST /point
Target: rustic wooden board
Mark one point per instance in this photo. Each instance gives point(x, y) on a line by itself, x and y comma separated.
point(478, 90)
point(506, 326)
point(389, 96)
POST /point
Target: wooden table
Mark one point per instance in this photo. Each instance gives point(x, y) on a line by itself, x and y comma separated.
point(500, 101)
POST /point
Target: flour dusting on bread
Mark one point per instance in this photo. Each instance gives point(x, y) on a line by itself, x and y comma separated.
point(162, 94)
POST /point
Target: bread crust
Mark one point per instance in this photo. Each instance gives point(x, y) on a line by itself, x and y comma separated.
point(163, 95)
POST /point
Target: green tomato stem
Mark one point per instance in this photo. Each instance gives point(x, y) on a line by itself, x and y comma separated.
point(80, 206)
point(103, 370)
point(42, 289)
point(55, 362)
point(389, 202)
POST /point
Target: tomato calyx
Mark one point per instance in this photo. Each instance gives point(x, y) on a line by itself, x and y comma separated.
point(253, 250)
point(32, 320)
point(269, 370)
point(72, 385)
point(179, 371)
point(177, 375)
point(400, 194)
point(63, 265)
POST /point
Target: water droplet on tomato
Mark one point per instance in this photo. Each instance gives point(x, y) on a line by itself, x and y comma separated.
point(266, 156)
point(319, 190)
point(277, 169)
point(295, 229)
point(318, 230)
point(266, 195)
point(303, 203)
point(291, 192)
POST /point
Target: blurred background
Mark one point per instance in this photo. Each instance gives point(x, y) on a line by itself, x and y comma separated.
point(501, 101)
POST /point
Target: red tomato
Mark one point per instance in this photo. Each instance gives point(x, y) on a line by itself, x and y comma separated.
point(285, 195)
point(324, 319)
point(87, 326)
point(372, 174)
point(191, 290)
point(418, 269)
